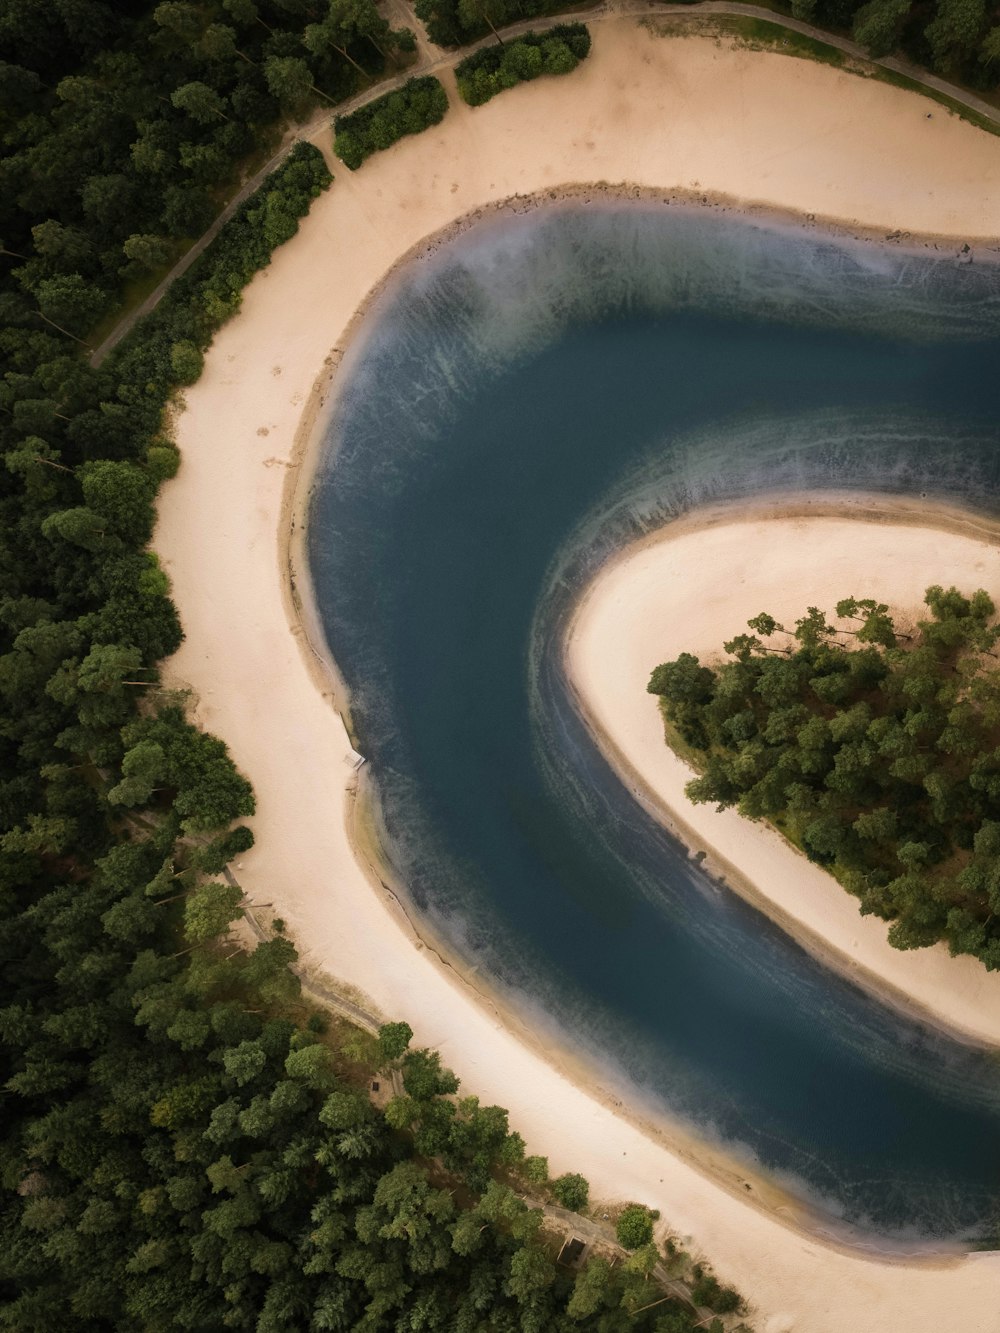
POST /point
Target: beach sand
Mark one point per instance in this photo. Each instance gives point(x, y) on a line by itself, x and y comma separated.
point(680, 115)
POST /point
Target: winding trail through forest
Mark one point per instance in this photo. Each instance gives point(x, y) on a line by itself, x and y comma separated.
point(432, 59)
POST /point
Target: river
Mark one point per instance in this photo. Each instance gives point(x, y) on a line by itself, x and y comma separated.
point(517, 405)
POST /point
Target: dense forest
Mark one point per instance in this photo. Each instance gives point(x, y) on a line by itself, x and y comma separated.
point(877, 753)
point(957, 38)
point(125, 124)
point(187, 1143)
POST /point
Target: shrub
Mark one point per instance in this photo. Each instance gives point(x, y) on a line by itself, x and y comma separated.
point(536, 1169)
point(162, 460)
point(489, 71)
point(572, 1191)
point(708, 1290)
point(420, 103)
point(186, 361)
point(393, 1040)
point(635, 1226)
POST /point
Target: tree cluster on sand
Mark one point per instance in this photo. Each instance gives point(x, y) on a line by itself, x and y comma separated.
point(492, 69)
point(418, 105)
point(876, 753)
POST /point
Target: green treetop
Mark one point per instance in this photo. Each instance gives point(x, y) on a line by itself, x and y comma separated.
point(877, 753)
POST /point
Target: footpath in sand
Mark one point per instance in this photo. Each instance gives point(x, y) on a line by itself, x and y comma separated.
point(661, 113)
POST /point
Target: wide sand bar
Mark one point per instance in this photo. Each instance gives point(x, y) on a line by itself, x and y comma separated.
point(657, 112)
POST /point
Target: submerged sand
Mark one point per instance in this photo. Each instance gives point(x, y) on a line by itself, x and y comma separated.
point(673, 115)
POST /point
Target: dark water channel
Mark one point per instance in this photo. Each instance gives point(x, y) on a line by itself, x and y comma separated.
point(521, 403)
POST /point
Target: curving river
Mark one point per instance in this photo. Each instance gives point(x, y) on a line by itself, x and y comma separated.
point(518, 404)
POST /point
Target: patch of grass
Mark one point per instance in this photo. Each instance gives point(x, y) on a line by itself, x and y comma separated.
point(757, 34)
point(767, 35)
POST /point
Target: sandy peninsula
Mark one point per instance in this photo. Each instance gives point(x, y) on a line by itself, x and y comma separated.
point(682, 116)
point(696, 585)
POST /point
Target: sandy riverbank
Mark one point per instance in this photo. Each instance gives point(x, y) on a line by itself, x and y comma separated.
point(696, 585)
point(661, 114)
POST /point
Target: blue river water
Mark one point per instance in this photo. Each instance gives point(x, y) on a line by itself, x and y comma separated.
point(520, 403)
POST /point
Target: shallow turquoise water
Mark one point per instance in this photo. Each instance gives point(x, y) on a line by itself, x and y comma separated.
point(521, 403)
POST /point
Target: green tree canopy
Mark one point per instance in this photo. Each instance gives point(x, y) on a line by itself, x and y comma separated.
point(873, 751)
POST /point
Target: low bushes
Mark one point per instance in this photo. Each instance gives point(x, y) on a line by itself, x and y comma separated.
point(493, 68)
point(572, 1191)
point(708, 1290)
point(416, 106)
point(634, 1227)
